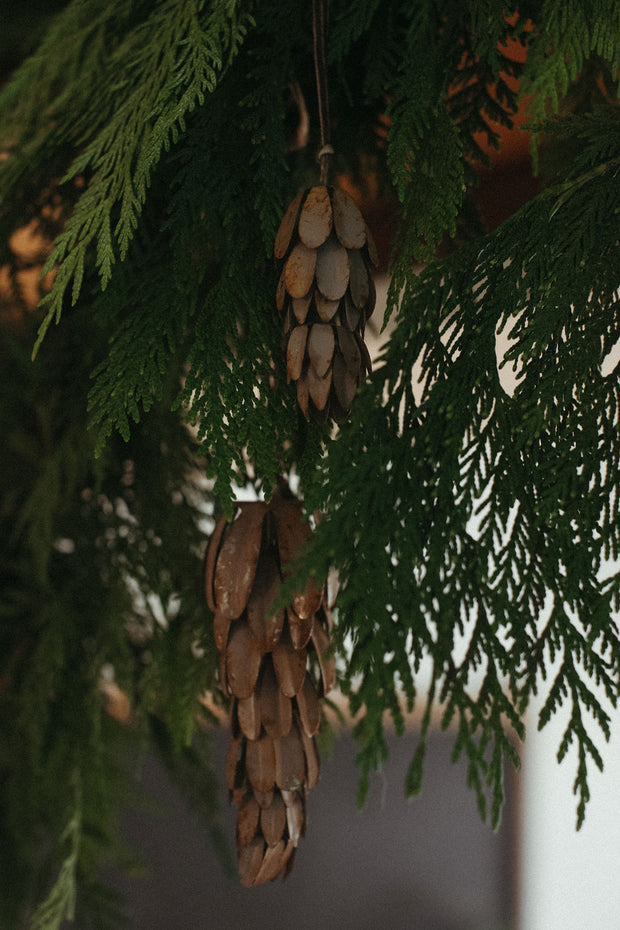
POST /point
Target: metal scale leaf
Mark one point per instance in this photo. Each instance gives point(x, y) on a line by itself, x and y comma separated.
point(325, 297)
point(276, 665)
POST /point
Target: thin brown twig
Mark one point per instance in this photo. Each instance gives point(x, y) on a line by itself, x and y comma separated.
point(319, 21)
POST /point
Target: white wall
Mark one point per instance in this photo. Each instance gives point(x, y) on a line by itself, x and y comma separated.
point(569, 880)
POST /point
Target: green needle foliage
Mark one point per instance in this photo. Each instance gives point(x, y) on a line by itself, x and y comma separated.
point(483, 546)
point(472, 516)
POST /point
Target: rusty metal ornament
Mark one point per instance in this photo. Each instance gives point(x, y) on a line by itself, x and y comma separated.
point(316, 217)
point(325, 294)
point(275, 664)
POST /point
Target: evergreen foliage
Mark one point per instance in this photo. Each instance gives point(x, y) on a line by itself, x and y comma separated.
point(100, 568)
point(474, 524)
point(509, 579)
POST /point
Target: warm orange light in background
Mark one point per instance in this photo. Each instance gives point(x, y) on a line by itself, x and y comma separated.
point(504, 186)
point(22, 290)
point(514, 143)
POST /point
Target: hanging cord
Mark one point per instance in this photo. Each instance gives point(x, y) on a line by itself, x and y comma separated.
point(319, 18)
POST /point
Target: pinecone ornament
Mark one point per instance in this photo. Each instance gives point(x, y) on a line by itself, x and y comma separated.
point(275, 667)
point(325, 296)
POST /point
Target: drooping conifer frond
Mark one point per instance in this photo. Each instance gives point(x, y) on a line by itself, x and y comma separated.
point(568, 34)
point(94, 561)
point(450, 84)
point(60, 903)
point(142, 83)
point(510, 578)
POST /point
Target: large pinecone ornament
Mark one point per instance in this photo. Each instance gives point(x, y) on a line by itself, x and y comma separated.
point(325, 296)
point(274, 665)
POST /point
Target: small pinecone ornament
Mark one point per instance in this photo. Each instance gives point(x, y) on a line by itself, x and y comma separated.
point(325, 296)
point(275, 667)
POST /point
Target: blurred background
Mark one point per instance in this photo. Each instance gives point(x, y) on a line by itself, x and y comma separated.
point(427, 864)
